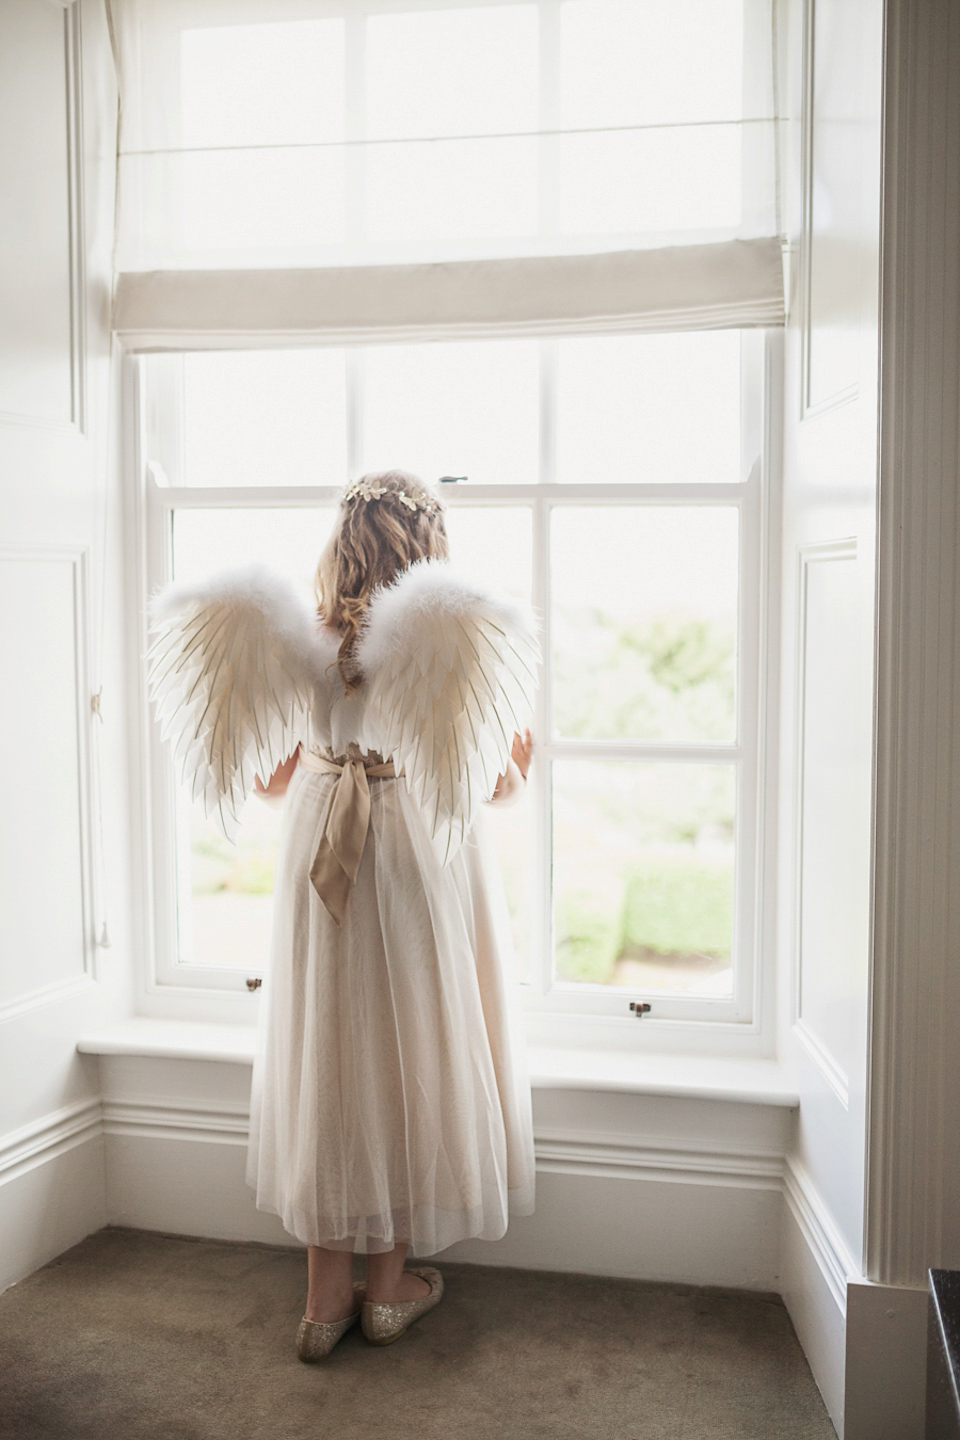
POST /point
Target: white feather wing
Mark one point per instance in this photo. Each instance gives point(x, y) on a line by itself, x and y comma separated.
point(232, 672)
point(451, 671)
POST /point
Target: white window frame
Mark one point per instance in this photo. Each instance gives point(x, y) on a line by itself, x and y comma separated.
point(580, 1014)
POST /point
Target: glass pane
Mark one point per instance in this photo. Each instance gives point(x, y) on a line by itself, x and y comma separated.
point(260, 85)
point(471, 71)
point(288, 541)
point(650, 408)
point(644, 607)
point(494, 544)
point(447, 74)
point(651, 180)
point(643, 872)
point(451, 190)
point(265, 417)
point(663, 61)
point(468, 409)
point(225, 891)
point(233, 202)
point(273, 84)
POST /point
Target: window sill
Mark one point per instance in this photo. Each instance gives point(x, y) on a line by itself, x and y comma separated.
point(748, 1081)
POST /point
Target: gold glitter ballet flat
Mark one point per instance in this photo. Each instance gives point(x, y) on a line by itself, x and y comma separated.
point(386, 1322)
point(316, 1338)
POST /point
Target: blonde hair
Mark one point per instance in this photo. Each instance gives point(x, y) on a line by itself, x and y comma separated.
point(387, 521)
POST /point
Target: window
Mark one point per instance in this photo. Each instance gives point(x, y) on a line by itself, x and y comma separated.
point(606, 437)
point(617, 483)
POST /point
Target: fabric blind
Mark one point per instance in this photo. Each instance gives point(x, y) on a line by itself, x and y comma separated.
point(347, 169)
point(732, 284)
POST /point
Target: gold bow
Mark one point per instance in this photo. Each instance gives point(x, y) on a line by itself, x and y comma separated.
point(344, 833)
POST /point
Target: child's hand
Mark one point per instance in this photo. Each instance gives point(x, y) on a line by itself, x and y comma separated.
point(522, 752)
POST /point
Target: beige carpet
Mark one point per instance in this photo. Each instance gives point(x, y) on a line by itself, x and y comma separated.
point(135, 1336)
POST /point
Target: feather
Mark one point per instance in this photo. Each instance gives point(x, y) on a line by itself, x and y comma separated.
point(233, 673)
point(450, 671)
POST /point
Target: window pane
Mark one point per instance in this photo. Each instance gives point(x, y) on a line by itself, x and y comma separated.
point(260, 85)
point(452, 190)
point(620, 182)
point(663, 61)
point(651, 408)
point(274, 84)
point(644, 607)
point(454, 409)
point(234, 202)
point(494, 544)
point(225, 890)
point(288, 541)
point(452, 73)
point(265, 417)
point(471, 71)
point(643, 871)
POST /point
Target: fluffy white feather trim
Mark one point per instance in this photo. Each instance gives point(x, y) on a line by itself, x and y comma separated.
point(425, 594)
point(260, 589)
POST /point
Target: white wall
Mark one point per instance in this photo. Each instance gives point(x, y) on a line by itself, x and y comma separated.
point(832, 66)
point(59, 548)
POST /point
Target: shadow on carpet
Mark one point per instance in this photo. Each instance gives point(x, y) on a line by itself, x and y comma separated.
point(136, 1336)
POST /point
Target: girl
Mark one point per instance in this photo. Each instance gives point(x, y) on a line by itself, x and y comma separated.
point(390, 1106)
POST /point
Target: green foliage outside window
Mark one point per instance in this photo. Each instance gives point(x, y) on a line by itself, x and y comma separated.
point(659, 835)
point(671, 678)
point(674, 910)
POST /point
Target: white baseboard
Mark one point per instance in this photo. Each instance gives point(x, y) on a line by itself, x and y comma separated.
point(185, 1186)
point(644, 1229)
point(621, 1206)
point(866, 1343)
point(52, 1189)
point(820, 1234)
point(814, 1288)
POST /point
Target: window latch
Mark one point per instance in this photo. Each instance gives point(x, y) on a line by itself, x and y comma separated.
point(254, 984)
point(639, 1007)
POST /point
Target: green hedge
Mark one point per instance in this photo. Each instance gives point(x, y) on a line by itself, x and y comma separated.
point(669, 906)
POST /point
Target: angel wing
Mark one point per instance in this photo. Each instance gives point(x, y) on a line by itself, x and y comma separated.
point(451, 671)
point(232, 672)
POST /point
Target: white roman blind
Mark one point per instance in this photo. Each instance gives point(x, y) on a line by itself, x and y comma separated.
point(414, 168)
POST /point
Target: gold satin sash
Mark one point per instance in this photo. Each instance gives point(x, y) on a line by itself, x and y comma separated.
point(344, 834)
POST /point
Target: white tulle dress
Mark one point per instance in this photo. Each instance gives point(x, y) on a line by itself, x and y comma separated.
point(390, 1098)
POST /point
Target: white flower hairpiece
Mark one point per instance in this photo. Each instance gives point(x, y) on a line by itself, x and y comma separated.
point(363, 490)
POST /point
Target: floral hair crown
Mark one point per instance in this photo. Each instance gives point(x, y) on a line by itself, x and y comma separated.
point(363, 490)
